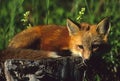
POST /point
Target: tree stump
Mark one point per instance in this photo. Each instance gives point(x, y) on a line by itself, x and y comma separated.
point(50, 69)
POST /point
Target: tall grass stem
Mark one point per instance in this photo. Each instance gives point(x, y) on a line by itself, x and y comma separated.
point(47, 14)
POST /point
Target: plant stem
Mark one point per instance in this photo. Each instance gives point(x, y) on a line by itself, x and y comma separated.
point(87, 7)
point(47, 14)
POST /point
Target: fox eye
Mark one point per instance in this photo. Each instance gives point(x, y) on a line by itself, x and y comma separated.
point(80, 46)
point(95, 46)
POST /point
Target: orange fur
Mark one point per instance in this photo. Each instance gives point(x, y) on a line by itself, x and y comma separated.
point(81, 39)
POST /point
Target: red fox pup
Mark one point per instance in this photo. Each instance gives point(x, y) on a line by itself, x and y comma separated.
point(80, 39)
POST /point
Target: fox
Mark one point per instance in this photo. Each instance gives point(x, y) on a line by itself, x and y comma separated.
point(55, 41)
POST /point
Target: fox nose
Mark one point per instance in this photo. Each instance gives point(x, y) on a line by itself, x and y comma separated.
point(87, 54)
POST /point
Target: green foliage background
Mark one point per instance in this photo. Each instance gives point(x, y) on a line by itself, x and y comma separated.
point(56, 12)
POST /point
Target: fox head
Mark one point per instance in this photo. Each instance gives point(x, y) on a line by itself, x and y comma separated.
point(88, 39)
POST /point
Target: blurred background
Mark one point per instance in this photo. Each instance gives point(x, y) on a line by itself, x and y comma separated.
point(16, 15)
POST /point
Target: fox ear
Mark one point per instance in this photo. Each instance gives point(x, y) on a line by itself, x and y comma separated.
point(103, 27)
point(72, 27)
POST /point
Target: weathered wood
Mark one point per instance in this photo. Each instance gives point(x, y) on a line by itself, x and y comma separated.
point(60, 69)
point(2, 76)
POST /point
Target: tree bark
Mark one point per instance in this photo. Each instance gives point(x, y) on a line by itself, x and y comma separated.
point(60, 69)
